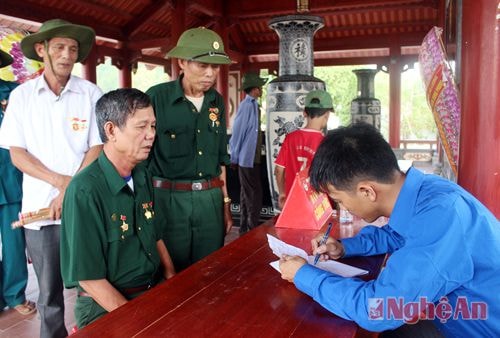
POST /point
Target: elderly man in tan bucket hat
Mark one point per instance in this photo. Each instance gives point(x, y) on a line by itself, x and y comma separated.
point(51, 131)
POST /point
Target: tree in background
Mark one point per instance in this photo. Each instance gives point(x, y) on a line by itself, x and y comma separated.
point(416, 118)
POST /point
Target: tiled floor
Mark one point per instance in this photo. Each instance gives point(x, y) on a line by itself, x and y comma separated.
point(13, 324)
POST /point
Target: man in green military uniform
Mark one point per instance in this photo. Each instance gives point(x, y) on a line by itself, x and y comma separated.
point(13, 267)
point(190, 151)
point(110, 247)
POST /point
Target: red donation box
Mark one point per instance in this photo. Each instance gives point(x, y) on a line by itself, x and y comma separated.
point(304, 208)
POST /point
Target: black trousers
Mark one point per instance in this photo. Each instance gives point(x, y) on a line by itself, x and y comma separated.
point(250, 197)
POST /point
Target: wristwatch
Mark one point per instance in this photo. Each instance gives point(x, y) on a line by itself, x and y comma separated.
point(227, 200)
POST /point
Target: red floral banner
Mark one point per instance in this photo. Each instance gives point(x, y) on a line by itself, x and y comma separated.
point(442, 93)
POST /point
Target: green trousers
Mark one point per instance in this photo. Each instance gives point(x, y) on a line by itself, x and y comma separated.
point(192, 223)
point(13, 267)
point(87, 310)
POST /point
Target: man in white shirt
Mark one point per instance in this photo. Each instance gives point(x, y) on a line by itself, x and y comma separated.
point(51, 132)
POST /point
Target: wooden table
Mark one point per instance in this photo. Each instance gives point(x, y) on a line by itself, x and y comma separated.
point(232, 293)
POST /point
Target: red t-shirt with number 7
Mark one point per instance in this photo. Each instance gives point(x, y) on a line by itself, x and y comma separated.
point(297, 152)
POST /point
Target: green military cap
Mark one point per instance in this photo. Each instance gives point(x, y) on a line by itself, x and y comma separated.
point(202, 45)
point(318, 99)
point(58, 28)
point(251, 80)
point(5, 59)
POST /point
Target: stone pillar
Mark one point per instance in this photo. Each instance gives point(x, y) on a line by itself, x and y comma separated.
point(286, 94)
point(366, 108)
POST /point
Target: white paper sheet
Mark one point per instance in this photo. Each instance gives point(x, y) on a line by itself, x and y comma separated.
point(280, 248)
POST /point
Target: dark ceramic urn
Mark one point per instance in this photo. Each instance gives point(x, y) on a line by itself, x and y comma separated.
point(365, 107)
point(286, 93)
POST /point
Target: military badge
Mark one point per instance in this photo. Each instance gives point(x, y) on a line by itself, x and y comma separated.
point(124, 225)
point(77, 124)
point(148, 210)
point(214, 116)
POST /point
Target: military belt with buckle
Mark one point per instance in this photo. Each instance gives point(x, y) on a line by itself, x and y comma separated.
point(188, 186)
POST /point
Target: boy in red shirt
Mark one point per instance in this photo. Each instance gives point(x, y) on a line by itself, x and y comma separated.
point(299, 146)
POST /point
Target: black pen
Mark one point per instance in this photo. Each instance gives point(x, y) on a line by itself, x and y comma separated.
point(323, 241)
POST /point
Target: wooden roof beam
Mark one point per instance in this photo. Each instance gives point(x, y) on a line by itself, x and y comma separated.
point(325, 5)
point(144, 16)
point(153, 60)
point(208, 8)
point(35, 12)
point(394, 7)
point(249, 10)
point(361, 42)
point(428, 23)
point(103, 9)
point(236, 56)
point(145, 44)
point(237, 37)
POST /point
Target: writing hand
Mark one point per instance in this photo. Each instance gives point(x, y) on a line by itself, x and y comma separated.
point(332, 249)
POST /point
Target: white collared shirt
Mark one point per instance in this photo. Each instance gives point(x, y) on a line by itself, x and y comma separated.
point(57, 130)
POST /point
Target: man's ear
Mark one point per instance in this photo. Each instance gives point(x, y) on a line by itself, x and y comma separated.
point(110, 130)
point(39, 49)
point(367, 190)
point(181, 63)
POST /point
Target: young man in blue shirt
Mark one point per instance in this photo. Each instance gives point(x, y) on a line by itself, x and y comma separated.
point(444, 243)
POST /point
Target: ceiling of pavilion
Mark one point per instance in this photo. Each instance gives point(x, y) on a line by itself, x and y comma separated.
point(355, 31)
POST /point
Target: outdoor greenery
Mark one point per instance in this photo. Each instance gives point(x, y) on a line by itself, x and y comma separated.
point(416, 118)
point(417, 122)
point(143, 78)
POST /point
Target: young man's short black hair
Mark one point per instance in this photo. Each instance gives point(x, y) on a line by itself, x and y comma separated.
point(350, 154)
point(316, 112)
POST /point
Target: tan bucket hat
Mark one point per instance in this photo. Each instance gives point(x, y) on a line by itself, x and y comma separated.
point(61, 29)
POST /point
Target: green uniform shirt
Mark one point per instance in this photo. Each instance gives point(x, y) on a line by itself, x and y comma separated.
point(189, 145)
point(10, 178)
point(108, 231)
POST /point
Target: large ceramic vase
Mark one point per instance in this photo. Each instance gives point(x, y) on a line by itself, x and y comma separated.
point(286, 93)
point(366, 108)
